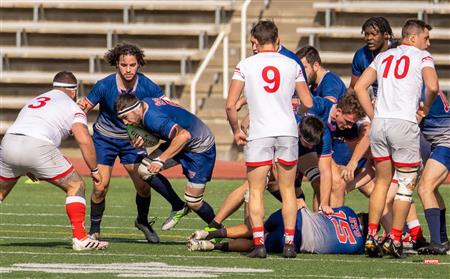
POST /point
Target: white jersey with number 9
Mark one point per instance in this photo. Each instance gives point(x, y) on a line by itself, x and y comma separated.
point(270, 80)
point(48, 117)
point(399, 76)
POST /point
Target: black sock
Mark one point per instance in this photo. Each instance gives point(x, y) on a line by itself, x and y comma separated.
point(220, 233)
point(143, 205)
point(205, 212)
point(214, 224)
point(222, 246)
point(97, 210)
point(443, 224)
point(276, 194)
point(164, 188)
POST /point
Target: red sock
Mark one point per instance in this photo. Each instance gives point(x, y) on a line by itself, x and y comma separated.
point(416, 232)
point(373, 230)
point(289, 236)
point(76, 211)
point(258, 236)
point(396, 234)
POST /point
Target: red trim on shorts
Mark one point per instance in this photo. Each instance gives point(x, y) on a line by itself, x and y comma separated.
point(385, 158)
point(8, 178)
point(258, 164)
point(287, 163)
point(61, 175)
point(416, 164)
point(325, 155)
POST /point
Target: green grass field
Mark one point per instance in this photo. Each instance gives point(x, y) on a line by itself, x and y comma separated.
point(35, 243)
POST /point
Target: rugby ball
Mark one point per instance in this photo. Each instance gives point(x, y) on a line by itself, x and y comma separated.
point(135, 132)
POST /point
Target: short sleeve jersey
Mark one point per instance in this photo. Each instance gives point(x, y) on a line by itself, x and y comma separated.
point(331, 87)
point(106, 91)
point(361, 60)
point(48, 117)
point(322, 108)
point(286, 52)
point(399, 76)
point(269, 79)
point(162, 116)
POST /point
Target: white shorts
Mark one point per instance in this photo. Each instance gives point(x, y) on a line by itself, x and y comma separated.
point(263, 151)
point(397, 140)
point(20, 154)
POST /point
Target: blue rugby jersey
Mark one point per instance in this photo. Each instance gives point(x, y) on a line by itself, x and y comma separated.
point(331, 87)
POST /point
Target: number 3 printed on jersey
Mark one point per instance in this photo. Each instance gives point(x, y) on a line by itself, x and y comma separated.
point(402, 63)
point(271, 75)
point(42, 101)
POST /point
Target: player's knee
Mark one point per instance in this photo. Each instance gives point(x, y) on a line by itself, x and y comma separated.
point(407, 180)
point(338, 185)
point(312, 174)
point(193, 201)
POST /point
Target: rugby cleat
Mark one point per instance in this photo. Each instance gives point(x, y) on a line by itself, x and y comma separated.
point(200, 245)
point(199, 235)
point(95, 236)
point(395, 250)
point(289, 251)
point(174, 218)
point(258, 252)
point(148, 231)
point(372, 247)
point(419, 243)
point(433, 249)
point(88, 244)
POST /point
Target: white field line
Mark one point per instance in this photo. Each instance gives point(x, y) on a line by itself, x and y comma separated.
point(219, 257)
point(131, 228)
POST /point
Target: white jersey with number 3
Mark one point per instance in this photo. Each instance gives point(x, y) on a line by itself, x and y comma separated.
point(48, 117)
point(269, 79)
point(399, 76)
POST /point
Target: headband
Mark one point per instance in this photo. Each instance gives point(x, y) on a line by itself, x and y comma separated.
point(65, 85)
point(128, 109)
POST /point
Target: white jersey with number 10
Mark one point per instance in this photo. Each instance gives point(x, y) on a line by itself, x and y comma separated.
point(399, 76)
point(270, 80)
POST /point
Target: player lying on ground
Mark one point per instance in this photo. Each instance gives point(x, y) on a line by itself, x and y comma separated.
point(30, 147)
point(337, 233)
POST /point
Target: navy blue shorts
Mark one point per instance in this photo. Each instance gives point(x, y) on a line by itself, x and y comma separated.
point(107, 150)
point(442, 155)
point(197, 167)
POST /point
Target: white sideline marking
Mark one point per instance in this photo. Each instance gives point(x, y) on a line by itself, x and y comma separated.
point(148, 269)
point(219, 256)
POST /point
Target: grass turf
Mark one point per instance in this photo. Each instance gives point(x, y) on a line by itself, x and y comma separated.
point(35, 242)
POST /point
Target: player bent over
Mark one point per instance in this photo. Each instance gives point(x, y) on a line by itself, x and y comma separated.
point(395, 135)
point(268, 80)
point(30, 147)
point(338, 233)
point(189, 142)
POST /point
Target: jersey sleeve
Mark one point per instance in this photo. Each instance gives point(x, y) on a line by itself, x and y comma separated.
point(79, 115)
point(96, 94)
point(299, 77)
point(325, 149)
point(356, 67)
point(160, 123)
point(239, 72)
point(426, 60)
point(152, 90)
point(331, 89)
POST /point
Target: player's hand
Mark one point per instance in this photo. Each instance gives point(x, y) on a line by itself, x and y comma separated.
point(155, 166)
point(96, 176)
point(326, 209)
point(32, 177)
point(301, 203)
point(240, 137)
point(82, 103)
point(421, 112)
point(348, 172)
point(137, 142)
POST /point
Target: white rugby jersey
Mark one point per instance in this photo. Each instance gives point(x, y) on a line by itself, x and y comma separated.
point(48, 117)
point(270, 80)
point(399, 76)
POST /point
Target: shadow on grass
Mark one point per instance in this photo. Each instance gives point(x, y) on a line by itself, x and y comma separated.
point(66, 244)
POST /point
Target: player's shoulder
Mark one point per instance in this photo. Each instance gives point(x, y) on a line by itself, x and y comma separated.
point(362, 52)
point(145, 80)
point(107, 80)
point(332, 77)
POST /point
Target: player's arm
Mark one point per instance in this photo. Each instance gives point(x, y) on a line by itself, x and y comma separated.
point(84, 140)
point(303, 94)
point(241, 102)
point(231, 109)
point(368, 77)
point(324, 165)
point(430, 79)
point(353, 81)
point(85, 105)
point(360, 150)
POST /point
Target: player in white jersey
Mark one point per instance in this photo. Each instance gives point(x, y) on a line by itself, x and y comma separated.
point(30, 147)
point(394, 136)
point(268, 80)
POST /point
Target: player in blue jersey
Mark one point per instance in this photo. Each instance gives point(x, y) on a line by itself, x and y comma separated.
point(337, 233)
point(188, 141)
point(378, 36)
point(436, 129)
point(322, 82)
point(111, 139)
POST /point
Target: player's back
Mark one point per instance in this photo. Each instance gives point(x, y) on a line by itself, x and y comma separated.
point(49, 117)
point(269, 79)
point(399, 76)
